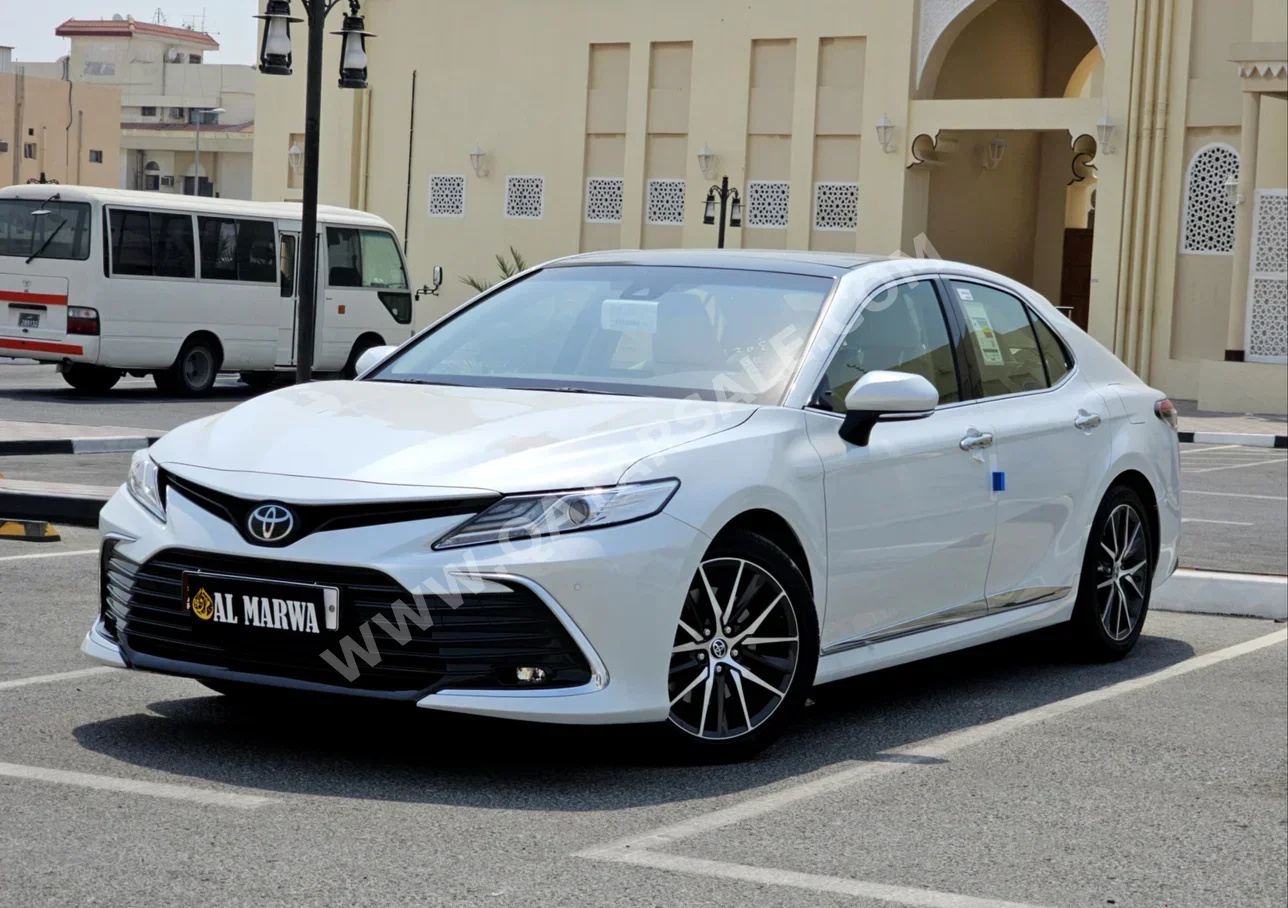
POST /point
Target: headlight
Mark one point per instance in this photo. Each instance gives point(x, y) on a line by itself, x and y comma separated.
point(143, 485)
point(517, 518)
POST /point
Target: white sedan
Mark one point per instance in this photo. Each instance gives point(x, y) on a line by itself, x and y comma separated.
point(665, 487)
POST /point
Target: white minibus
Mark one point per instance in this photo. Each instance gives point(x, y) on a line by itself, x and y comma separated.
point(108, 281)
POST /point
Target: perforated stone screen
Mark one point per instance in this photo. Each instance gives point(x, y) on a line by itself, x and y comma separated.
point(446, 195)
point(604, 200)
point(767, 203)
point(836, 206)
point(525, 197)
point(1267, 339)
point(665, 202)
point(1209, 213)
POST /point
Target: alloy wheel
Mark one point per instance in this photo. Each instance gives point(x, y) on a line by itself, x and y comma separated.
point(1122, 569)
point(735, 652)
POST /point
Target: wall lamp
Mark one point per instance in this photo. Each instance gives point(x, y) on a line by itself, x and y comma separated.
point(885, 135)
point(1105, 132)
point(478, 160)
point(706, 161)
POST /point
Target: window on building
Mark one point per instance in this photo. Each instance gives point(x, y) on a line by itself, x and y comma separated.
point(29, 151)
point(151, 243)
point(95, 68)
point(904, 334)
point(194, 58)
point(176, 113)
point(1208, 222)
point(148, 111)
point(204, 117)
point(4, 146)
point(234, 249)
point(95, 156)
point(1004, 345)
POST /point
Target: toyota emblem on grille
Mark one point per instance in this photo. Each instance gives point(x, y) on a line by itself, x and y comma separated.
point(270, 523)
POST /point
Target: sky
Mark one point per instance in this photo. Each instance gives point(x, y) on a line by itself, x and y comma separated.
point(32, 34)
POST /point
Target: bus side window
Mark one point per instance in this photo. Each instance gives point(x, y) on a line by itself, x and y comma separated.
point(288, 266)
point(344, 257)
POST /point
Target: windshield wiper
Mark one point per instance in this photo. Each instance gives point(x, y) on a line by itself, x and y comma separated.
point(49, 239)
point(417, 381)
point(574, 390)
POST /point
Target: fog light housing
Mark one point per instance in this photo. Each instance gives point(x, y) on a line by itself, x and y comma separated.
point(530, 674)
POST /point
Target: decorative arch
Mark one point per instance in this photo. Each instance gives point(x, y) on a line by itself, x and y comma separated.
point(1207, 222)
point(937, 16)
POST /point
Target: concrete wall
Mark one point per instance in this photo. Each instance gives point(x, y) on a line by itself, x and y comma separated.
point(65, 121)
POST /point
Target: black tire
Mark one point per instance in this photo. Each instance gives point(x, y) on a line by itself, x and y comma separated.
point(1113, 596)
point(260, 381)
point(194, 371)
point(361, 346)
point(747, 717)
point(91, 379)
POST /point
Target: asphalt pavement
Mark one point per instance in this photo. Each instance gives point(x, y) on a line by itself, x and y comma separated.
point(1007, 775)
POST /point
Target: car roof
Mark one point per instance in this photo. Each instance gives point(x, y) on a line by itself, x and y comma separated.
point(164, 201)
point(822, 264)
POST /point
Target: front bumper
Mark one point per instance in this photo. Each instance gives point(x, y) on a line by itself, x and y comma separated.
point(616, 591)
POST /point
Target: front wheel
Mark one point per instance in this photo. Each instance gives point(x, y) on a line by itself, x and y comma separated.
point(744, 653)
point(1117, 577)
point(91, 379)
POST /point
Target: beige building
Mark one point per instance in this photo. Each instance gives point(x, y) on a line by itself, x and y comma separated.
point(164, 84)
point(66, 132)
point(1127, 159)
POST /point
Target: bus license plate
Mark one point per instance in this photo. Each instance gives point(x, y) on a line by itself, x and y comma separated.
point(28, 320)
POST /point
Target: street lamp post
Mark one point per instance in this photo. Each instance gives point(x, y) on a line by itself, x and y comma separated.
point(275, 60)
point(196, 161)
point(730, 209)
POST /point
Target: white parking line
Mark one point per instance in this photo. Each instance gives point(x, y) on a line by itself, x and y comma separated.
point(1228, 523)
point(134, 786)
point(638, 849)
point(1236, 495)
point(50, 679)
point(35, 555)
point(1236, 466)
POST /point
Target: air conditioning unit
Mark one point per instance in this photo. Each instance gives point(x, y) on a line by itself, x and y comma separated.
point(167, 181)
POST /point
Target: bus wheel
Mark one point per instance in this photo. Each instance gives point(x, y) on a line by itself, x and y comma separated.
point(91, 379)
point(193, 373)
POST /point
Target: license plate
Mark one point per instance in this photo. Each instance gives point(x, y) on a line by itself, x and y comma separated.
point(225, 604)
point(28, 320)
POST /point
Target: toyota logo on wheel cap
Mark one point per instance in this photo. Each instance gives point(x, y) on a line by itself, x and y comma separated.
point(270, 523)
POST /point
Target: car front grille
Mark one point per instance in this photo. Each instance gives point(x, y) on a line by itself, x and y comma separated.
point(478, 644)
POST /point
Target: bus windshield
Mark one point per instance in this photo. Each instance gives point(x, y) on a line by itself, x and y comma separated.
point(61, 233)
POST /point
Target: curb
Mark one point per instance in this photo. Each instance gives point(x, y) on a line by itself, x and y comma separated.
point(66, 504)
point(112, 444)
point(1231, 438)
point(1220, 593)
point(28, 530)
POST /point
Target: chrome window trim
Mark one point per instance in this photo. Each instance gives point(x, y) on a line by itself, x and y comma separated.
point(598, 671)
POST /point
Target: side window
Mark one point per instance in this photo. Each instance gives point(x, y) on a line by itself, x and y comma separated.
point(900, 330)
point(344, 257)
point(1054, 354)
point(151, 244)
point(288, 265)
point(382, 267)
point(237, 250)
point(1002, 340)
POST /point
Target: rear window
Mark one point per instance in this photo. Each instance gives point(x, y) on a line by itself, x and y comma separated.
point(50, 229)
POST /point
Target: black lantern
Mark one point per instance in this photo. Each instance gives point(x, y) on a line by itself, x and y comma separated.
point(353, 50)
point(709, 213)
point(275, 52)
point(735, 211)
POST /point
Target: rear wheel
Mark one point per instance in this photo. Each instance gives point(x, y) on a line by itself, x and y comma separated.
point(194, 371)
point(91, 379)
point(744, 653)
point(1117, 576)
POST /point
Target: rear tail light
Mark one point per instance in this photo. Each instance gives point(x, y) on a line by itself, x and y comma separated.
point(82, 321)
point(1166, 411)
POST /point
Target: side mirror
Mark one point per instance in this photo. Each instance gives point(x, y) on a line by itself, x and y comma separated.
point(889, 395)
point(371, 357)
point(438, 282)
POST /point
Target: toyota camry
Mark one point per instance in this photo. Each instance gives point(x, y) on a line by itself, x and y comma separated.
point(678, 488)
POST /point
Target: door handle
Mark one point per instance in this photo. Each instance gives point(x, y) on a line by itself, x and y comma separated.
point(1089, 421)
point(972, 442)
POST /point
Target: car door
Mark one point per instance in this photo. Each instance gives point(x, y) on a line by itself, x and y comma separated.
point(1050, 443)
point(910, 516)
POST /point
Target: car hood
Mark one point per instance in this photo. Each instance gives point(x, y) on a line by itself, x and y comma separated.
point(494, 439)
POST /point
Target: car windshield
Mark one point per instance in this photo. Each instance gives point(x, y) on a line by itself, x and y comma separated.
point(62, 232)
point(655, 331)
